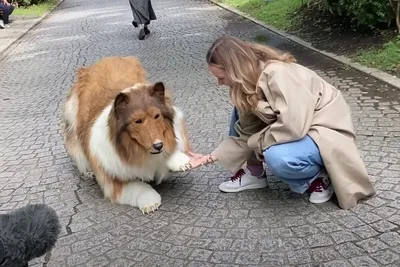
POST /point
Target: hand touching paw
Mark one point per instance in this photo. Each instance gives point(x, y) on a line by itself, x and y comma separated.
point(179, 162)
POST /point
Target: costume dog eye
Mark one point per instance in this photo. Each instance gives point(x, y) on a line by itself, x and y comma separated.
point(138, 121)
point(157, 116)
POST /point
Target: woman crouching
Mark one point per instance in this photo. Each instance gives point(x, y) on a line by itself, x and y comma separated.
point(288, 117)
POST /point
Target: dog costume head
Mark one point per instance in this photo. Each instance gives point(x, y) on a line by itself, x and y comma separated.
point(144, 113)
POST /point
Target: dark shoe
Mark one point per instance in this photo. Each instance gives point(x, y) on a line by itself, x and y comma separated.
point(2, 252)
point(142, 34)
point(146, 30)
point(135, 24)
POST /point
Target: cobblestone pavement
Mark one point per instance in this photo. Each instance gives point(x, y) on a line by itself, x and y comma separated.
point(196, 225)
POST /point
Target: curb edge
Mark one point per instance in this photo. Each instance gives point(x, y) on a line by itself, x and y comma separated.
point(30, 27)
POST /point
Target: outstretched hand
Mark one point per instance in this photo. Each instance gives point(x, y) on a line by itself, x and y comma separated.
point(196, 160)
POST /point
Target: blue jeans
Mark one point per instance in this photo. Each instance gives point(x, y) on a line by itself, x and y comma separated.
point(7, 11)
point(296, 163)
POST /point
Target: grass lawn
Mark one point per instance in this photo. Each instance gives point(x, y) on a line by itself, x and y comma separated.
point(387, 58)
point(35, 10)
point(275, 13)
point(278, 13)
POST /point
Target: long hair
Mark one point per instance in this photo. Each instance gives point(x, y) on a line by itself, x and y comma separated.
point(241, 61)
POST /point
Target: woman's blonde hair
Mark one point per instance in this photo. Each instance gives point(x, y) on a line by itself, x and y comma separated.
point(241, 62)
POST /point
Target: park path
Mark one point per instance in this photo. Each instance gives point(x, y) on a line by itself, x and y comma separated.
point(196, 225)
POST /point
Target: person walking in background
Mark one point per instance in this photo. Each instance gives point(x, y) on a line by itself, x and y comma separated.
point(143, 13)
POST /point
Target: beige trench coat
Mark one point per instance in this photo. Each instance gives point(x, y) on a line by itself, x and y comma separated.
point(295, 101)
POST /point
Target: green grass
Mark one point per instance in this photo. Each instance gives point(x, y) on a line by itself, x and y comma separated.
point(35, 10)
point(387, 58)
point(276, 13)
point(261, 38)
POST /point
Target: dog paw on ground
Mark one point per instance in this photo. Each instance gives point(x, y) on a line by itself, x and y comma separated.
point(149, 201)
point(90, 175)
point(147, 210)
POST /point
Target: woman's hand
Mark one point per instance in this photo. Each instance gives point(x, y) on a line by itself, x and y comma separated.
point(197, 160)
point(195, 155)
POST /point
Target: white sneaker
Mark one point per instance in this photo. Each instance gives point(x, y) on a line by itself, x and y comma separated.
point(243, 180)
point(1, 24)
point(321, 189)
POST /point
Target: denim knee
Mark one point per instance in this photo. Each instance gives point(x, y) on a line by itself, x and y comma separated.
point(277, 161)
point(293, 160)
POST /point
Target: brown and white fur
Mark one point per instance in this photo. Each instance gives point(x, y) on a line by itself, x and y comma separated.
point(124, 130)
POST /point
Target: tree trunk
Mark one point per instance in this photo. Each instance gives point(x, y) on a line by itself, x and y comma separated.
point(395, 4)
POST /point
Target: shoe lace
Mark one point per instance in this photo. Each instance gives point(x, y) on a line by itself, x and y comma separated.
point(238, 175)
point(317, 186)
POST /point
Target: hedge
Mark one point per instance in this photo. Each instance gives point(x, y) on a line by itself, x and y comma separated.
point(365, 13)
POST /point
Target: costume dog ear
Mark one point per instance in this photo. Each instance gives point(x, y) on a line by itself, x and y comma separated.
point(121, 102)
point(158, 91)
point(121, 99)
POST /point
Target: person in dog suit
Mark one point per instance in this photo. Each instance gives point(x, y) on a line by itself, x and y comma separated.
point(288, 117)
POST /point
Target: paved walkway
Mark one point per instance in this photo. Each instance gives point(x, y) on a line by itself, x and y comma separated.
point(19, 26)
point(196, 225)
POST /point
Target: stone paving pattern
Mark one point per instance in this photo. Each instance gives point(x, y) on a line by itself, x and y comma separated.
point(197, 225)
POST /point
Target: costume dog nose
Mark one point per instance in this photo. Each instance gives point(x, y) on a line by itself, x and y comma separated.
point(158, 146)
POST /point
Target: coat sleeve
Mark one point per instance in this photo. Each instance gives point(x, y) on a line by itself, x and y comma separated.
point(233, 152)
point(292, 102)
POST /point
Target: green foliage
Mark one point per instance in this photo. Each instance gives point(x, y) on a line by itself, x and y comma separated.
point(362, 13)
point(30, 2)
point(34, 10)
point(277, 13)
point(261, 38)
point(387, 58)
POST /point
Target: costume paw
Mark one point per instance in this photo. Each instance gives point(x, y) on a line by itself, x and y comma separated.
point(185, 167)
point(90, 174)
point(179, 161)
point(149, 201)
point(147, 210)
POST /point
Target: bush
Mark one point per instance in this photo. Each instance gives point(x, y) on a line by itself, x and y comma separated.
point(362, 13)
point(30, 2)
